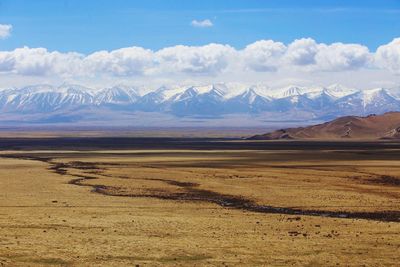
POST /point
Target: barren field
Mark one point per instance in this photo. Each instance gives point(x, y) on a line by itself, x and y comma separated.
point(198, 202)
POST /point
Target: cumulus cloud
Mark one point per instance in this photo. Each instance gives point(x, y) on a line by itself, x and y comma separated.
point(322, 57)
point(209, 59)
point(302, 52)
point(39, 62)
point(5, 30)
point(264, 57)
point(342, 57)
point(388, 56)
point(120, 62)
point(202, 23)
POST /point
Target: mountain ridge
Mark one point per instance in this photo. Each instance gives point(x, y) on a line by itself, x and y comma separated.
point(213, 100)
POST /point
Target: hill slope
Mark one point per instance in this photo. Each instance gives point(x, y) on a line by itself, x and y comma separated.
point(386, 126)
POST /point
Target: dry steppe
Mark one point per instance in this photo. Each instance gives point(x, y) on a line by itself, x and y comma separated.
point(189, 202)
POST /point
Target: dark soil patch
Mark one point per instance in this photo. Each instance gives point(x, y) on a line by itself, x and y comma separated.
point(386, 180)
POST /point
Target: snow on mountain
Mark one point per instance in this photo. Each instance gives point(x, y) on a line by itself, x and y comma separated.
point(294, 102)
point(209, 100)
point(234, 89)
point(249, 101)
point(250, 96)
point(369, 96)
point(338, 91)
point(286, 92)
point(117, 95)
point(394, 92)
point(324, 98)
point(165, 93)
point(156, 100)
point(206, 99)
point(218, 90)
point(44, 98)
point(368, 101)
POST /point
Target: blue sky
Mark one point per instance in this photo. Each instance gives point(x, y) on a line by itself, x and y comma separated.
point(92, 25)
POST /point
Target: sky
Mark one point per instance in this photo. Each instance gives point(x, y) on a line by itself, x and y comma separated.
point(97, 42)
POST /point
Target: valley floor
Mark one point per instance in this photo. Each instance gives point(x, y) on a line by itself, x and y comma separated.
point(231, 203)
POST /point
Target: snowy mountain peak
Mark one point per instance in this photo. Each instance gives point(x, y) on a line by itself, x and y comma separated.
point(292, 91)
point(219, 89)
point(338, 90)
point(165, 93)
point(249, 95)
point(394, 92)
point(368, 96)
point(117, 95)
point(287, 92)
point(209, 100)
point(217, 92)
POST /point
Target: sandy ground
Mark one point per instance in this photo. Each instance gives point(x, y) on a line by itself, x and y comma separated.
point(200, 208)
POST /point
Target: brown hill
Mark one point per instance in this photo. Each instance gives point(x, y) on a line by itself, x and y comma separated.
point(386, 126)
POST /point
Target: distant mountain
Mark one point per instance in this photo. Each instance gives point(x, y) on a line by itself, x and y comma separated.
point(367, 101)
point(250, 101)
point(209, 101)
point(117, 95)
point(288, 92)
point(192, 100)
point(44, 98)
point(156, 101)
point(386, 126)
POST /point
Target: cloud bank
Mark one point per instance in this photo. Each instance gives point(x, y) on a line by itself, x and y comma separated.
point(264, 58)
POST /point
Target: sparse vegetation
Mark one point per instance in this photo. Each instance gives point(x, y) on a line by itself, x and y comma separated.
point(197, 207)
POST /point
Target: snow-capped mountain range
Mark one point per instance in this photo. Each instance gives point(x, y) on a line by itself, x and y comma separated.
point(215, 100)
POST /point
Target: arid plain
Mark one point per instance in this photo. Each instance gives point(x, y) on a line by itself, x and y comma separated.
point(198, 202)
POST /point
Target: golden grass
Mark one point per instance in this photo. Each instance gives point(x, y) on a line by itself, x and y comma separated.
point(45, 221)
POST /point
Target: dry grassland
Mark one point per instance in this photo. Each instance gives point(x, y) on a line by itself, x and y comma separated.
point(200, 208)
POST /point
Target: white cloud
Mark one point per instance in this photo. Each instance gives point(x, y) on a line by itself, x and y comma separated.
point(209, 59)
point(5, 30)
point(302, 52)
point(120, 62)
point(388, 56)
point(202, 23)
point(39, 62)
point(342, 57)
point(311, 56)
point(264, 59)
point(264, 55)
point(304, 55)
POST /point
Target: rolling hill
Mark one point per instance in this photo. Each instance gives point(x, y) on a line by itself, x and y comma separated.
point(386, 126)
